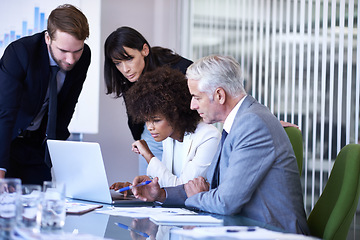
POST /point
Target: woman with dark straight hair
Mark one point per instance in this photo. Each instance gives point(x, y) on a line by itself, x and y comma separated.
point(128, 55)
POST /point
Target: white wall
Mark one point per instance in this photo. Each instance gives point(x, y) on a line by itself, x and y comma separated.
point(85, 118)
point(114, 135)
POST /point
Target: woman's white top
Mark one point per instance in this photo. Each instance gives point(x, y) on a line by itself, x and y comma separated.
point(197, 152)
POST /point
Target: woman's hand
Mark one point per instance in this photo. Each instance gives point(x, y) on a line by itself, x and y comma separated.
point(141, 147)
point(116, 186)
point(287, 124)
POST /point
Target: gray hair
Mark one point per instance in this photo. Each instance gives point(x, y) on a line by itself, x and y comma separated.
point(217, 71)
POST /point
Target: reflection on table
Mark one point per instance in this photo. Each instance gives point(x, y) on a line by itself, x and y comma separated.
point(107, 226)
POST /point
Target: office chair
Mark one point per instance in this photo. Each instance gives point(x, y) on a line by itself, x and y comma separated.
point(296, 140)
point(334, 211)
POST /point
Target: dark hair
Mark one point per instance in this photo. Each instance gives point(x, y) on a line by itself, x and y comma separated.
point(165, 56)
point(69, 19)
point(163, 91)
point(122, 37)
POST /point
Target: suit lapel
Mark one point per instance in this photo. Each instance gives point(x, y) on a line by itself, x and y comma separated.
point(43, 74)
point(248, 101)
point(214, 164)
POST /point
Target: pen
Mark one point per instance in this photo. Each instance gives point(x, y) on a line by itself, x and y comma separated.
point(132, 229)
point(131, 187)
point(248, 229)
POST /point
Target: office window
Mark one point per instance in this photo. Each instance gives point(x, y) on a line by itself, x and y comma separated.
point(299, 58)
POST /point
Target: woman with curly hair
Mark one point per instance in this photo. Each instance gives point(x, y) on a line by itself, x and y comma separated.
point(161, 99)
point(128, 55)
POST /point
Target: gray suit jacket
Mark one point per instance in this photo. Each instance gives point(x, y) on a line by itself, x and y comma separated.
point(259, 176)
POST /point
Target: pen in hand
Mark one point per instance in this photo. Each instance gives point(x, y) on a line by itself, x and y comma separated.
point(131, 187)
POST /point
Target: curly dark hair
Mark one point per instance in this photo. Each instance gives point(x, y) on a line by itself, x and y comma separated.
point(163, 91)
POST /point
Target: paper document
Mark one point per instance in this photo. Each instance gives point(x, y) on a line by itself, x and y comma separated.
point(173, 219)
point(80, 208)
point(239, 232)
point(144, 212)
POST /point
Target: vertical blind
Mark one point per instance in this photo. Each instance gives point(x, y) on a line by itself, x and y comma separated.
point(299, 58)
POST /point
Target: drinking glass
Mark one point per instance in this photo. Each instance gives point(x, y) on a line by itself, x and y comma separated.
point(10, 205)
point(53, 206)
point(31, 198)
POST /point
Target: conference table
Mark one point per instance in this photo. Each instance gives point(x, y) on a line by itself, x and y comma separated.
point(105, 226)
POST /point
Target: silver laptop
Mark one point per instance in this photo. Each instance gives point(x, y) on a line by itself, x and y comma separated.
point(80, 166)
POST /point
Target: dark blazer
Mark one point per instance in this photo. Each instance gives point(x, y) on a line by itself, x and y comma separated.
point(259, 178)
point(24, 77)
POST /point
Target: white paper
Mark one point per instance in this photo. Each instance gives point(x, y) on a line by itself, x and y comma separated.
point(173, 219)
point(75, 207)
point(239, 232)
point(144, 212)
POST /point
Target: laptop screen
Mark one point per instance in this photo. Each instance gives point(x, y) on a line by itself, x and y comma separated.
point(80, 166)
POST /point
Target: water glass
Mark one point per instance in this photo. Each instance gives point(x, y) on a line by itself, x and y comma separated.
point(10, 191)
point(31, 198)
point(53, 206)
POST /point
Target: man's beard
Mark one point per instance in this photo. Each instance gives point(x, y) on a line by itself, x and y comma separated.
point(58, 62)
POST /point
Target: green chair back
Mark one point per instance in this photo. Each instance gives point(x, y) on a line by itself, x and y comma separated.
point(333, 213)
point(296, 140)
